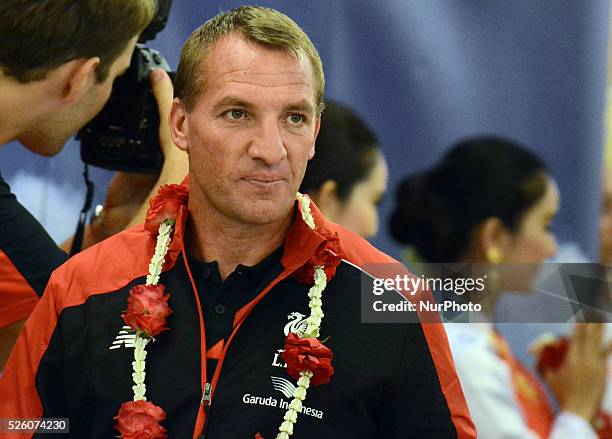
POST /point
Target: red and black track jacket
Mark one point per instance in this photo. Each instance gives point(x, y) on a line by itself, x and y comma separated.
point(391, 380)
point(28, 256)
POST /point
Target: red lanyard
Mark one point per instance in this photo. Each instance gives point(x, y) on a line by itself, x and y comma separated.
point(208, 389)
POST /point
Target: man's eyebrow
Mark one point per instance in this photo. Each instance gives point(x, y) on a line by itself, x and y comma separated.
point(302, 105)
point(231, 101)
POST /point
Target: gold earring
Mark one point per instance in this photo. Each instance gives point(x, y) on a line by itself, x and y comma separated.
point(494, 255)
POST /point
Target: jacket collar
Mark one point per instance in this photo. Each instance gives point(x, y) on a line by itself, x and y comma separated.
point(301, 242)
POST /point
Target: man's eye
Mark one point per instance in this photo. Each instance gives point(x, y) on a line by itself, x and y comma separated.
point(296, 119)
point(235, 114)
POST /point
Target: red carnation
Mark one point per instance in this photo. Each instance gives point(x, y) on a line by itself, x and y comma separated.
point(259, 436)
point(552, 355)
point(303, 354)
point(165, 205)
point(147, 309)
point(140, 420)
point(327, 256)
point(604, 426)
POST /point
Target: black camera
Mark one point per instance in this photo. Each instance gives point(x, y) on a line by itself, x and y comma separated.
point(124, 136)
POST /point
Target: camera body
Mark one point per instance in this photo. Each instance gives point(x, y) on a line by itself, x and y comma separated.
point(124, 136)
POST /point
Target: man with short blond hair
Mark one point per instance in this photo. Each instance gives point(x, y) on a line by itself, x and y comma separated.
point(251, 267)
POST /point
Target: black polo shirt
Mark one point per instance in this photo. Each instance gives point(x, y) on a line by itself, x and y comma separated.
point(221, 300)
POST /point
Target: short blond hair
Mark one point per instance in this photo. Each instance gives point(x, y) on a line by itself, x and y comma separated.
point(257, 24)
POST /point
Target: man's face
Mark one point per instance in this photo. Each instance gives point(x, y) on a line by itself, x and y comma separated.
point(48, 136)
point(250, 132)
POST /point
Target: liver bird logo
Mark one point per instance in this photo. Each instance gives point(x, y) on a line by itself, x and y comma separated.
point(297, 324)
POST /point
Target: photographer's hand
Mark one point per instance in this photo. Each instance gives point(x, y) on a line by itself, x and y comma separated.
point(128, 194)
point(176, 165)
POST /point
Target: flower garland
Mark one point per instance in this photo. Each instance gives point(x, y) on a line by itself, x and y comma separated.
point(308, 359)
point(146, 314)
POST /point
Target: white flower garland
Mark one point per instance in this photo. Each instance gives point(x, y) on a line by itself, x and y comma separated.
point(312, 330)
point(161, 248)
point(140, 354)
point(155, 268)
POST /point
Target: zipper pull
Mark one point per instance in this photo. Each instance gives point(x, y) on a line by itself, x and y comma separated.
point(206, 398)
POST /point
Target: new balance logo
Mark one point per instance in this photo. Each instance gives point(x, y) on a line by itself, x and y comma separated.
point(125, 338)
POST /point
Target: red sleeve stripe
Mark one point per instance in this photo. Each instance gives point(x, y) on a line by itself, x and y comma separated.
point(17, 298)
point(18, 379)
point(362, 253)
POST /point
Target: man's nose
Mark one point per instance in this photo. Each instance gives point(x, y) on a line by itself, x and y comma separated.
point(267, 143)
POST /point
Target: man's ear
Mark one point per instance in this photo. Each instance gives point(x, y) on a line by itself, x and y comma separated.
point(179, 129)
point(311, 153)
point(78, 76)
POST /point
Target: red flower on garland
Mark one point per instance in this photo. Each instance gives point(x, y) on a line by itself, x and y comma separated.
point(140, 420)
point(604, 426)
point(165, 205)
point(552, 355)
point(259, 436)
point(328, 256)
point(303, 354)
point(147, 309)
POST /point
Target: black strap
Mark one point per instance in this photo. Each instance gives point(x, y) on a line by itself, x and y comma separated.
point(77, 242)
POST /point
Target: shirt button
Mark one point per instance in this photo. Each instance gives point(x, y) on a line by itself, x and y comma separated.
point(206, 272)
point(219, 309)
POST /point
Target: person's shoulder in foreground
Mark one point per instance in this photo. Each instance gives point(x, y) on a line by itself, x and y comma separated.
point(57, 70)
point(51, 90)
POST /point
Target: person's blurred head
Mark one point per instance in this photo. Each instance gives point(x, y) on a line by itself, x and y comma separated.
point(347, 177)
point(488, 200)
point(72, 50)
point(605, 234)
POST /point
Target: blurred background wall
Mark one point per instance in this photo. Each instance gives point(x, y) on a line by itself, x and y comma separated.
point(423, 73)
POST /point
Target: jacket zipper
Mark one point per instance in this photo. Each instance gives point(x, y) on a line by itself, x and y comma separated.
point(206, 403)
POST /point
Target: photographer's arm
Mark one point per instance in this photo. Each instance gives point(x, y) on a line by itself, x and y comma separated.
point(128, 196)
point(176, 165)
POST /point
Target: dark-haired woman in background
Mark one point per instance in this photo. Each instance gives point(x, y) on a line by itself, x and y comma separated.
point(347, 177)
point(491, 201)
